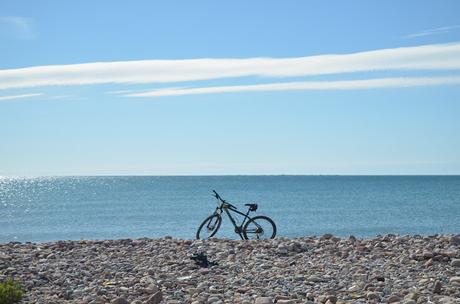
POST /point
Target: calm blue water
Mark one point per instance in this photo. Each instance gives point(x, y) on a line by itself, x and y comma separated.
point(57, 208)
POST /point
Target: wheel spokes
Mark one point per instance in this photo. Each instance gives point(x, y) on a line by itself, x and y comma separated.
point(209, 227)
point(259, 229)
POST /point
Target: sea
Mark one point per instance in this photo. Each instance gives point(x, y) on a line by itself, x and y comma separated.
point(44, 209)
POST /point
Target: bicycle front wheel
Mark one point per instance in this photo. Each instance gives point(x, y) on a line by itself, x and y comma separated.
point(259, 227)
point(209, 227)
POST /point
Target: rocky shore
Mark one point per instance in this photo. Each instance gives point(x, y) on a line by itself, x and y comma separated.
point(387, 269)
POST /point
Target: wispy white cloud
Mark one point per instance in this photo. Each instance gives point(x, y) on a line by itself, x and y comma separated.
point(119, 92)
point(17, 27)
point(307, 85)
point(427, 57)
point(61, 97)
point(435, 31)
point(12, 97)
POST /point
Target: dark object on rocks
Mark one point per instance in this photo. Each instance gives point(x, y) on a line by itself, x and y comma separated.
point(380, 278)
point(437, 287)
point(202, 260)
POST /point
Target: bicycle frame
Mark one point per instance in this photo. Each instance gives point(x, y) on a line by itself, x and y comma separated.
point(227, 207)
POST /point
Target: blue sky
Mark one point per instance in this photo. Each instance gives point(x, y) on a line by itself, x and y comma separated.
point(241, 87)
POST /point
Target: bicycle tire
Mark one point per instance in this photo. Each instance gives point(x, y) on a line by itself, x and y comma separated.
point(213, 229)
point(255, 231)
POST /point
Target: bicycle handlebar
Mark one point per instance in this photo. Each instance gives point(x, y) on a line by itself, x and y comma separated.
point(217, 196)
point(215, 193)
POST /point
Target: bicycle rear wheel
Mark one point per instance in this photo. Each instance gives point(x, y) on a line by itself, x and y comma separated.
point(259, 227)
point(209, 227)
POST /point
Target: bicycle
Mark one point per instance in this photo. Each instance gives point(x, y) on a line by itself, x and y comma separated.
point(258, 227)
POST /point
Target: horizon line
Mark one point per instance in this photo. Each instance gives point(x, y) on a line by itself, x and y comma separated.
point(214, 175)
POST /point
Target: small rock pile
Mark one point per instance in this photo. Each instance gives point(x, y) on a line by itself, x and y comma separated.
point(329, 270)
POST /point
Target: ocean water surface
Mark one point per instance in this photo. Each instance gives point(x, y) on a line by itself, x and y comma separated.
point(62, 208)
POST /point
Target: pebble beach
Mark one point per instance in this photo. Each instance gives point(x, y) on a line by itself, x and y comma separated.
point(326, 269)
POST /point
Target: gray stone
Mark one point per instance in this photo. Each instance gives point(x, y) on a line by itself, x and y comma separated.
point(455, 263)
point(213, 299)
point(285, 302)
point(394, 299)
point(412, 296)
point(455, 240)
point(372, 296)
point(119, 300)
point(332, 299)
point(155, 299)
point(264, 300)
point(455, 280)
point(354, 288)
point(283, 250)
point(427, 255)
point(315, 279)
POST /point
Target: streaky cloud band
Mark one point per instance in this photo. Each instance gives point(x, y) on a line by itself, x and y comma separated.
point(425, 57)
point(307, 85)
point(12, 97)
point(434, 31)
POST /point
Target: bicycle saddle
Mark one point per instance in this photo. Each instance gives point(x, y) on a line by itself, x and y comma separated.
point(252, 207)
